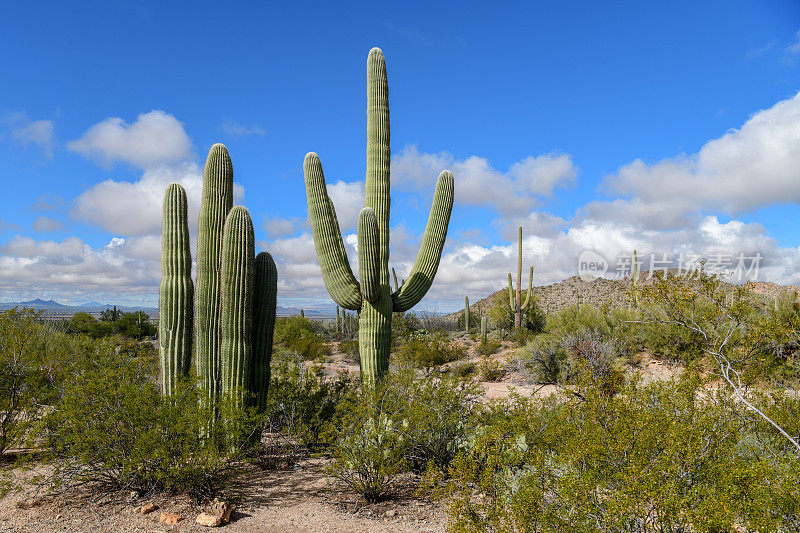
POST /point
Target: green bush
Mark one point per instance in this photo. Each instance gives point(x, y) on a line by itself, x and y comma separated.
point(491, 370)
point(113, 430)
point(350, 350)
point(490, 347)
point(543, 361)
point(651, 458)
point(428, 351)
point(534, 319)
point(405, 423)
point(302, 403)
point(303, 336)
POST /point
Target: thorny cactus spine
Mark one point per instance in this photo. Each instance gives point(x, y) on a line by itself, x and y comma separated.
point(236, 285)
point(264, 306)
point(176, 291)
point(217, 201)
point(517, 306)
point(373, 297)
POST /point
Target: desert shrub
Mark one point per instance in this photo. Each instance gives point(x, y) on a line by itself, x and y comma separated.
point(464, 369)
point(350, 350)
point(301, 404)
point(490, 347)
point(403, 326)
point(428, 351)
point(112, 429)
point(404, 423)
point(302, 336)
point(651, 458)
point(134, 325)
point(491, 370)
point(543, 361)
point(587, 350)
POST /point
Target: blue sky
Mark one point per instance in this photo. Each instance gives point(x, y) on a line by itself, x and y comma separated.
point(671, 128)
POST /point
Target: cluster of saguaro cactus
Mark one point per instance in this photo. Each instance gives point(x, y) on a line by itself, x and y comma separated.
point(235, 298)
point(515, 298)
point(372, 297)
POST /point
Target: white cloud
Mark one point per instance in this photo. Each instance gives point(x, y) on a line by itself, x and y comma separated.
point(477, 183)
point(743, 170)
point(348, 201)
point(283, 227)
point(237, 130)
point(39, 133)
point(154, 139)
point(46, 224)
point(794, 47)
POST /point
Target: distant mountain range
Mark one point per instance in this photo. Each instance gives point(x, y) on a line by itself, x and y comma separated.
point(52, 307)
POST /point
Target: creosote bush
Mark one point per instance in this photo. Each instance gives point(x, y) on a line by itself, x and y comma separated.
point(302, 336)
point(428, 351)
point(112, 429)
point(656, 457)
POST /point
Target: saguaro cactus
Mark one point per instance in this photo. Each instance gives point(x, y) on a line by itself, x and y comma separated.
point(483, 328)
point(373, 297)
point(264, 304)
point(635, 279)
point(216, 202)
point(466, 314)
point(514, 298)
point(176, 291)
point(236, 286)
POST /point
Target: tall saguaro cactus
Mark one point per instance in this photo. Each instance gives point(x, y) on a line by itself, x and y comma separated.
point(635, 279)
point(236, 285)
point(176, 291)
point(515, 298)
point(265, 291)
point(466, 314)
point(373, 297)
point(217, 201)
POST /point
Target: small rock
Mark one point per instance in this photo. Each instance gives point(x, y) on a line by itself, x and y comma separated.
point(133, 495)
point(209, 520)
point(221, 509)
point(169, 518)
point(391, 513)
point(148, 508)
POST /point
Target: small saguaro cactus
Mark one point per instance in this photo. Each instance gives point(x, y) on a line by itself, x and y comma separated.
point(483, 328)
point(466, 314)
point(515, 298)
point(372, 297)
point(176, 291)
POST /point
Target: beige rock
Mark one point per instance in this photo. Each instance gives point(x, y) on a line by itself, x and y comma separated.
point(221, 509)
point(148, 508)
point(169, 518)
point(391, 513)
point(209, 520)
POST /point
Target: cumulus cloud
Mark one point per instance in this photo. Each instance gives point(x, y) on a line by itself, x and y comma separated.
point(39, 133)
point(515, 191)
point(283, 227)
point(794, 47)
point(743, 170)
point(155, 138)
point(134, 207)
point(46, 224)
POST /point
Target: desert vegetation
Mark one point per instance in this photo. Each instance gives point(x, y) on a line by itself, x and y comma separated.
point(521, 412)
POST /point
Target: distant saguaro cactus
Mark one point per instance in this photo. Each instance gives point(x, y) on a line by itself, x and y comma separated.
point(514, 298)
point(483, 328)
point(466, 314)
point(176, 291)
point(372, 297)
point(635, 280)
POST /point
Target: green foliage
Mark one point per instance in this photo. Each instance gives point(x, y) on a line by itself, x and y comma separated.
point(113, 429)
point(491, 370)
point(402, 424)
point(135, 325)
point(651, 458)
point(533, 319)
point(489, 347)
point(429, 350)
point(302, 336)
point(350, 350)
point(301, 403)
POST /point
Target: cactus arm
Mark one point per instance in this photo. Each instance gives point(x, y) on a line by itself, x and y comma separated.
point(217, 201)
point(236, 287)
point(336, 271)
point(368, 249)
point(530, 290)
point(511, 293)
point(394, 275)
point(427, 262)
point(175, 305)
point(265, 292)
